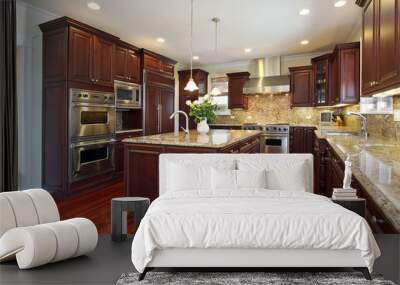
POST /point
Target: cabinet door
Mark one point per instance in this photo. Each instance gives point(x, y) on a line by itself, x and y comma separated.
point(388, 43)
point(309, 140)
point(151, 63)
point(103, 61)
point(369, 48)
point(81, 56)
point(152, 119)
point(167, 99)
point(301, 86)
point(298, 140)
point(132, 67)
point(349, 76)
point(120, 59)
point(235, 90)
point(334, 96)
point(167, 68)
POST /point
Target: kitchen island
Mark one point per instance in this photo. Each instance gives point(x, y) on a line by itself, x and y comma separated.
point(141, 154)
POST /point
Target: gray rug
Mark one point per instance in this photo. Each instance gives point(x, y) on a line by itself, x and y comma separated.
point(270, 278)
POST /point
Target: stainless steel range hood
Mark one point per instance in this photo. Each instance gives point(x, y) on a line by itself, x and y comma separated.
point(268, 78)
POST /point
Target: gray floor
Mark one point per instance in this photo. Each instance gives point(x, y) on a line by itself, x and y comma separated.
point(103, 266)
point(110, 260)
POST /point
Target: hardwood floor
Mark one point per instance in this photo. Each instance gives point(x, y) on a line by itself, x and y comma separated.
point(95, 205)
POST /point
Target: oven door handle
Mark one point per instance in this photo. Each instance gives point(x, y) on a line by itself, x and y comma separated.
point(110, 141)
point(92, 105)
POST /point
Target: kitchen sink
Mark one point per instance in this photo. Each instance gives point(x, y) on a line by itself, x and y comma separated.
point(333, 133)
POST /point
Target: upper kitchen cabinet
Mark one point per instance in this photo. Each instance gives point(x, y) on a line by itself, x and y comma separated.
point(90, 58)
point(157, 63)
point(200, 77)
point(301, 86)
point(77, 52)
point(236, 98)
point(381, 50)
point(344, 77)
point(321, 67)
point(126, 63)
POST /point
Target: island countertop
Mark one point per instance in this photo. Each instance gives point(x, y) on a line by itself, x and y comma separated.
point(214, 138)
point(375, 164)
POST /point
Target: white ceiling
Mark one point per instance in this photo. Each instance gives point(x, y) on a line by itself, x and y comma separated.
point(268, 27)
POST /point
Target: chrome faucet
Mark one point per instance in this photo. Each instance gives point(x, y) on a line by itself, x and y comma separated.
point(186, 130)
point(364, 123)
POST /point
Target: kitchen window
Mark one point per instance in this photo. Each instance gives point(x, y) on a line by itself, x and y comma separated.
point(221, 100)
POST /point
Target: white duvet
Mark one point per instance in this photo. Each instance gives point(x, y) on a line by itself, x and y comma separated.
point(250, 219)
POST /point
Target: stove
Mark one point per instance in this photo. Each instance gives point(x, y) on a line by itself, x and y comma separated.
point(274, 137)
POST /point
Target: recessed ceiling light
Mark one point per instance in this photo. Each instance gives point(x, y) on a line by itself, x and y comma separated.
point(93, 6)
point(161, 40)
point(247, 50)
point(305, 42)
point(304, 12)
point(195, 57)
point(340, 3)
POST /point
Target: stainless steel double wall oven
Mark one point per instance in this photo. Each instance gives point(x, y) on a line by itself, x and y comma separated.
point(91, 133)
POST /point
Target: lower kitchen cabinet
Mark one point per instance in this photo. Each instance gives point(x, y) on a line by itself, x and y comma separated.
point(301, 139)
point(119, 151)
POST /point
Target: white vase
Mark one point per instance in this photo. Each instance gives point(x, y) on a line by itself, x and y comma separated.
point(203, 127)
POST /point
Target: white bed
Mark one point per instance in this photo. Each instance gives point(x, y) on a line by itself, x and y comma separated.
point(231, 226)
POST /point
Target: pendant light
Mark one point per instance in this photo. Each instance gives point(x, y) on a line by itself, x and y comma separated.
point(191, 85)
point(215, 91)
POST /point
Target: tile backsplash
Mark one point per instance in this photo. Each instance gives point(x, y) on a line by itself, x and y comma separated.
point(378, 125)
point(268, 108)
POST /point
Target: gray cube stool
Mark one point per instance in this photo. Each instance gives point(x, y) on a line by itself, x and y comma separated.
point(119, 212)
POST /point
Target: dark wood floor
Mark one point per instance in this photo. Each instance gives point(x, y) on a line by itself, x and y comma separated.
point(94, 205)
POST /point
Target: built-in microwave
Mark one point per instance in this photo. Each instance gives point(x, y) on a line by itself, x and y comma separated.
point(326, 118)
point(127, 94)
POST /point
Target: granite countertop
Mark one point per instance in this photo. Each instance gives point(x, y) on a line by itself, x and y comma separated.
point(376, 165)
point(214, 139)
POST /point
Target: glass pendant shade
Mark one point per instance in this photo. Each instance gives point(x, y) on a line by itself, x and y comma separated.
point(191, 85)
point(215, 91)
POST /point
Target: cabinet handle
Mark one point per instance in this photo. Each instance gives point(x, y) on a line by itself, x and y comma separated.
point(377, 221)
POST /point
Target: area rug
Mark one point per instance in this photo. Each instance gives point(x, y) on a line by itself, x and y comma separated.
point(243, 278)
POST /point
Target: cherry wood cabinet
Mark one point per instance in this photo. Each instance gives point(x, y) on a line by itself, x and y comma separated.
point(236, 98)
point(81, 56)
point(76, 55)
point(381, 50)
point(200, 77)
point(301, 86)
point(321, 70)
point(141, 162)
point(344, 79)
point(157, 63)
point(119, 150)
point(301, 139)
point(159, 107)
point(158, 93)
point(90, 58)
point(127, 63)
point(103, 61)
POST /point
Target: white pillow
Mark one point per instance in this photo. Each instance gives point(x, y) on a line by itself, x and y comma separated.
point(292, 179)
point(251, 178)
point(224, 179)
point(185, 178)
